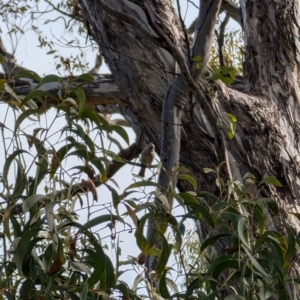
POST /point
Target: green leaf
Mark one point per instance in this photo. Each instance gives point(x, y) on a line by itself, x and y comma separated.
point(192, 202)
point(211, 240)
point(194, 285)
point(172, 285)
point(50, 78)
point(50, 215)
point(22, 245)
point(38, 94)
point(234, 297)
point(277, 236)
point(249, 175)
point(164, 200)
point(221, 263)
point(136, 282)
point(28, 74)
point(24, 115)
point(20, 181)
point(141, 184)
point(181, 227)
point(231, 135)
point(58, 156)
point(51, 52)
point(17, 231)
point(90, 114)
point(226, 80)
point(260, 216)
point(232, 73)
point(257, 266)
point(207, 195)
point(291, 242)
point(190, 179)
point(2, 59)
point(87, 140)
point(197, 58)
point(86, 77)
point(277, 253)
point(241, 231)
point(164, 257)
point(8, 162)
point(141, 241)
point(271, 203)
point(231, 129)
point(162, 285)
point(231, 117)
point(297, 215)
point(99, 220)
point(84, 292)
point(81, 100)
point(121, 132)
point(208, 170)
point(25, 289)
point(103, 267)
point(225, 70)
point(27, 260)
point(30, 201)
point(270, 180)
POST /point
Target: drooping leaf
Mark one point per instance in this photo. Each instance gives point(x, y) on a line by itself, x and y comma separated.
point(164, 256)
point(86, 77)
point(30, 201)
point(234, 297)
point(162, 285)
point(38, 94)
point(80, 99)
point(84, 292)
point(211, 240)
point(190, 179)
point(258, 267)
point(28, 74)
point(20, 181)
point(58, 156)
point(141, 184)
point(121, 132)
point(270, 180)
point(8, 162)
point(22, 244)
point(242, 231)
point(49, 78)
point(141, 241)
point(98, 220)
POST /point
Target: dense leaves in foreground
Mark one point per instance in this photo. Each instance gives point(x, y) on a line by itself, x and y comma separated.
point(47, 253)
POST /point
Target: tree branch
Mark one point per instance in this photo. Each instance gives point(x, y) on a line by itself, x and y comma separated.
point(233, 10)
point(10, 67)
point(127, 154)
point(205, 27)
point(221, 40)
point(102, 91)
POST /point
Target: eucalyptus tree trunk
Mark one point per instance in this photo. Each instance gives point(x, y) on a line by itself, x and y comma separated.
point(148, 51)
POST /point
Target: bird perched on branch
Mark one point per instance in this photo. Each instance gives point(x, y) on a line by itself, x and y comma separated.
point(147, 157)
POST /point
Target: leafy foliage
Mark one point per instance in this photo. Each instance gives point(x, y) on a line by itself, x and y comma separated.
point(51, 170)
point(256, 261)
point(48, 252)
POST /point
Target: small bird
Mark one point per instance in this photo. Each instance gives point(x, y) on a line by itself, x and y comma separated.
point(147, 157)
